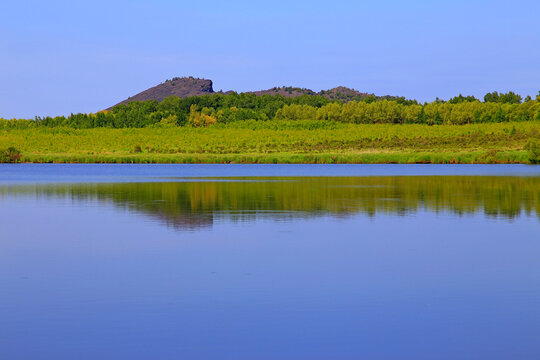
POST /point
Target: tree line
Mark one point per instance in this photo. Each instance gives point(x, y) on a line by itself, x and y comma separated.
point(434, 113)
point(225, 108)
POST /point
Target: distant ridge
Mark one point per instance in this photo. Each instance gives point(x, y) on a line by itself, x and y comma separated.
point(337, 93)
point(189, 86)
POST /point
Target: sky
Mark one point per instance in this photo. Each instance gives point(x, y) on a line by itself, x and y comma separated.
point(59, 57)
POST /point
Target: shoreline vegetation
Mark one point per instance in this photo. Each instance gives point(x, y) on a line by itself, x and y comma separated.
point(284, 142)
point(245, 128)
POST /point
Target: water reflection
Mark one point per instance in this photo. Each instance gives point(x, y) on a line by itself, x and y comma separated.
point(197, 203)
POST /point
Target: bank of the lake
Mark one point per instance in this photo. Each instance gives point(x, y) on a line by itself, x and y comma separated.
point(280, 142)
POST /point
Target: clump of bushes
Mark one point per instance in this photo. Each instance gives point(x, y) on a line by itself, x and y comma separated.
point(534, 151)
point(10, 155)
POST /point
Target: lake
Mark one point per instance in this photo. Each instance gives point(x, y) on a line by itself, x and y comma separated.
point(269, 262)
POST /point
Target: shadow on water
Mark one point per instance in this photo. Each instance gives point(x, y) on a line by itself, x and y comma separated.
point(196, 203)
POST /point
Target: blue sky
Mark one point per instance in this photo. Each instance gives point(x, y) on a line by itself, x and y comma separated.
point(59, 57)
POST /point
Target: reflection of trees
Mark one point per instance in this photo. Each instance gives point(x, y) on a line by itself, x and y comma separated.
point(191, 204)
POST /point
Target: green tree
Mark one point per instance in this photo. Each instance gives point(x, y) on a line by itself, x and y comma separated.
point(460, 99)
point(437, 119)
point(491, 97)
point(510, 98)
point(499, 116)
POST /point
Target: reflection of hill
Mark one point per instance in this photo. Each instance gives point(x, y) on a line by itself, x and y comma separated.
point(191, 204)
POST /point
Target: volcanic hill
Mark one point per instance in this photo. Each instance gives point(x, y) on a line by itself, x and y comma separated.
point(189, 86)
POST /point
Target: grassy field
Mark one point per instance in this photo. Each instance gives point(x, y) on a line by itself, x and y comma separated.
point(280, 142)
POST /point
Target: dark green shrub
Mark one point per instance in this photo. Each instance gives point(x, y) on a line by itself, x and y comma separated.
point(10, 155)
point(534, 151)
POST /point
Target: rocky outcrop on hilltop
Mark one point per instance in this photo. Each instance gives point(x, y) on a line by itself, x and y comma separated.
point(338, 93)
point(181, 87)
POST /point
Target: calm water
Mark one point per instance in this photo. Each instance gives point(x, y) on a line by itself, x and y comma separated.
point(269, 262)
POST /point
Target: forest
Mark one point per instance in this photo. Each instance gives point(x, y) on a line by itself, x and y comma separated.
point(208, 110)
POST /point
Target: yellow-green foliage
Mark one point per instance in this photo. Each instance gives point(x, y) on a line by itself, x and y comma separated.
point(271, 137)
point(17, 124)
point(389, 111)
point(204, 117)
